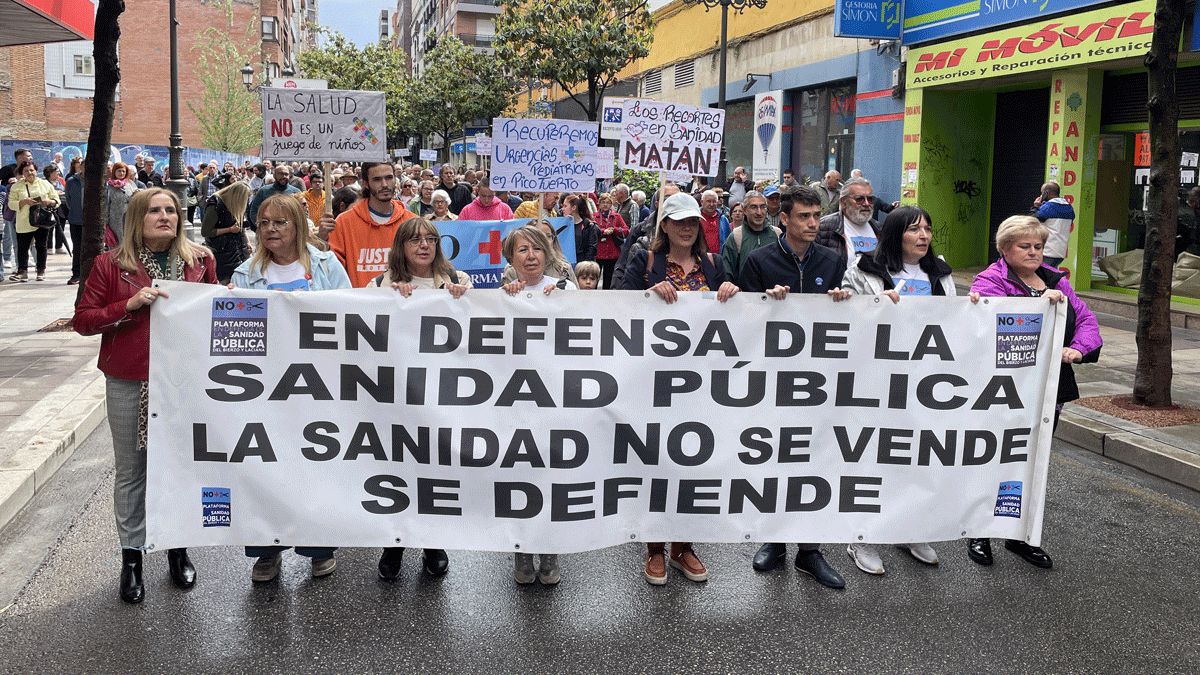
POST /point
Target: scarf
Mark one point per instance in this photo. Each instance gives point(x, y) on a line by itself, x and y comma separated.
point(119, 184)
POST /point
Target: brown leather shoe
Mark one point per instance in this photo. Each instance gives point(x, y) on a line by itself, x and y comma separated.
point(656, 564)
point(684, 559)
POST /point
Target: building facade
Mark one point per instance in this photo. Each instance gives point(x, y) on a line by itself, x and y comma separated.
point(47, 99)
point(991, 116)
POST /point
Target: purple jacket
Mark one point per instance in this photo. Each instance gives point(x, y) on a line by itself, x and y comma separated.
point(1083, 332)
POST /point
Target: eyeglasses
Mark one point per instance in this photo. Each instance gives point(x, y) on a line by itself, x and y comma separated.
point(860, 199)
point(277, 224)
point(430, 241)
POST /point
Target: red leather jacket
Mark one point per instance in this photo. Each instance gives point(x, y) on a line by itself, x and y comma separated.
point(125, 345)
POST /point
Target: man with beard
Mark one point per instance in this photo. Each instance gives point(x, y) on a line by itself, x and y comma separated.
point(362, 236)
point(281, 184)
point(851, 230)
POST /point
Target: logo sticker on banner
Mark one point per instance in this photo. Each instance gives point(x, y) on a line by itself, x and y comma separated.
point(239, 327)
point(1008, 499)
point(1017, 339)
point(217, 506)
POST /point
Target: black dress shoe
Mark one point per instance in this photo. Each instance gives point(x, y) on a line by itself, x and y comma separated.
point(980, 550)
point(436, 561)
point(812, 562)
point(389, 563)
point(1032, 554)
point(132, 590)
point(182, 571)
point(769, 556)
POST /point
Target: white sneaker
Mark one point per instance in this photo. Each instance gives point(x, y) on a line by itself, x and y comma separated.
point(922, 552)
point(866, 558)
point(523, 568)
point(548, 574)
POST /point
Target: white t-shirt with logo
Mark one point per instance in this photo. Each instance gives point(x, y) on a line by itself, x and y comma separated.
point(859, 238)
point(914, 279)
point(290, 277)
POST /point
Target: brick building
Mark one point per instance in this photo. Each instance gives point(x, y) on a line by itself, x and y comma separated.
point(45, 90)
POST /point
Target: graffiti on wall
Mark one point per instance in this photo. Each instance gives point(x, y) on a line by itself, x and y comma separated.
point(44, 151)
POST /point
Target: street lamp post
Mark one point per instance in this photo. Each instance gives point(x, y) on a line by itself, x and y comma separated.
point(177, 181)
point(248, 77)
point(740, 6)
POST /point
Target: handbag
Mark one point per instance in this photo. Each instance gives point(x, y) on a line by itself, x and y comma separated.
point(41, 217)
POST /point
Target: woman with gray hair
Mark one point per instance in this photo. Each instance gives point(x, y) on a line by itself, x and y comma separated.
point(558, 266)
point(441, 206)
point(422, 204)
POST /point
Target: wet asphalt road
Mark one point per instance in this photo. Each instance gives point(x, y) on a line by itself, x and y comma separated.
point(1122, 598)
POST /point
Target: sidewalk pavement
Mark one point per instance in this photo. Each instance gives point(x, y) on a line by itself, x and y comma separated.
point(52, 395)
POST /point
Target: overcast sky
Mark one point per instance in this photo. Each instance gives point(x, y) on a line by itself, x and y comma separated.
point(358, 20)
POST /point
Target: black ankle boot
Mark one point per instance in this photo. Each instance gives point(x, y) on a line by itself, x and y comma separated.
point(182, 571)
point(132, 590)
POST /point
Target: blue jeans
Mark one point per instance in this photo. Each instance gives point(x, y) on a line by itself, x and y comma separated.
point(10, 240)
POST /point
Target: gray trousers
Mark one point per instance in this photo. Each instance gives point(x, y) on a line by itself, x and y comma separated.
point(129, 488)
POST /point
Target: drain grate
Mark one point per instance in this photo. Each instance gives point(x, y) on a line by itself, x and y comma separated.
point(60, 326)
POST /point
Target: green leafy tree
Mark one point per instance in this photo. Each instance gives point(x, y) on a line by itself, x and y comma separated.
point(229, 116)
point(457, 87)
point(374, 67)
point(579, 44)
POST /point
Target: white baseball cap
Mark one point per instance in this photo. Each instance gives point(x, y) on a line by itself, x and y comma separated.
point(680, 206)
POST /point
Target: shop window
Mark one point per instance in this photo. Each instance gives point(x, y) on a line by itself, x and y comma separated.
point(823, 130)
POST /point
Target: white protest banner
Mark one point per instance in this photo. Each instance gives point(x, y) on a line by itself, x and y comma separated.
point(428, 155)
point(675, 176)
point(330, 125)
point(604, 162)
point(658, 136)
point(483, 145)
point(402, 152)
point(768, 135)
point(610, 120)
point(581, 420)
point(540, 155)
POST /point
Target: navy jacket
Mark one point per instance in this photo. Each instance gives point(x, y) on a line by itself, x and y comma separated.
point(770, 266)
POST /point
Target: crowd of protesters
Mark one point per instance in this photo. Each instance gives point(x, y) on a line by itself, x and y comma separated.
point(382, 231)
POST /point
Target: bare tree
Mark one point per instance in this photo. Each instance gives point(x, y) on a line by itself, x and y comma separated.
point(95, 164)
point(1152, 381)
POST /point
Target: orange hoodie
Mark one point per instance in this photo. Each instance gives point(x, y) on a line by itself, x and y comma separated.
point(361, 244)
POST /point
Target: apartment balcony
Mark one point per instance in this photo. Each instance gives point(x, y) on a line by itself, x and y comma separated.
point(478, 41)
point(478, 6)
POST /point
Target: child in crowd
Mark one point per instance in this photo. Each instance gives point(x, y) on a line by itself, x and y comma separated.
point(588, 274)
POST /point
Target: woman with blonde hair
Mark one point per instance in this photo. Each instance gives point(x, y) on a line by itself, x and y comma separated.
point(285, 261)
point(530, 255)
point(115, 304)
point(224, 213)
point(556, 264)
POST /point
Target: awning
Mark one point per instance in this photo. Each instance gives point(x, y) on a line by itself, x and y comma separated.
point(28, 22)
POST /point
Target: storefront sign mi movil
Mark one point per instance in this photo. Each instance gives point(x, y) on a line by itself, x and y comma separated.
point(1099, 35)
